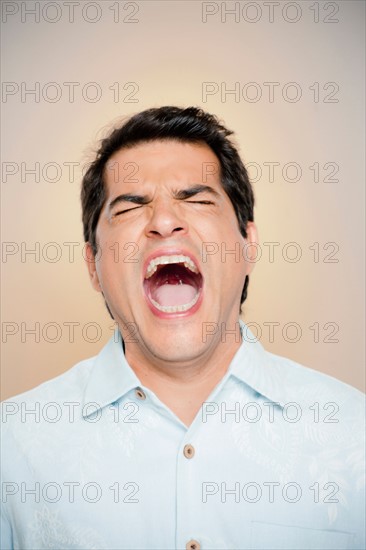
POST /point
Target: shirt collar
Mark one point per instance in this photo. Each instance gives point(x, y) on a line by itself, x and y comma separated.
point(254, 366)
point(112, 377)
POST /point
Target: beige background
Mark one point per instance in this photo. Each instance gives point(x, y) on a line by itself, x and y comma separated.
point(168, 53)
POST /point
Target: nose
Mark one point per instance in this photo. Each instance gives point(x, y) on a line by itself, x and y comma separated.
point(165, 221)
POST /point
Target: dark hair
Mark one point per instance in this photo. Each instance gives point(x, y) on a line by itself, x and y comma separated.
point(188, 125)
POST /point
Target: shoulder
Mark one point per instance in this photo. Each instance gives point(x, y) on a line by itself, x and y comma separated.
point(67, 387)
point(320, 400)
point(36, 425)
point(304, 382)
point(285, 380)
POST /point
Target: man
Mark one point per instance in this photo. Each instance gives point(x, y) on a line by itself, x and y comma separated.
point(183, 432)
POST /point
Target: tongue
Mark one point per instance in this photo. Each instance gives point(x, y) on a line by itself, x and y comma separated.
point(174, 295)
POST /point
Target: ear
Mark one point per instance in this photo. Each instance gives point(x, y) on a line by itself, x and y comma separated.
point(90, 261)
point(251, 246)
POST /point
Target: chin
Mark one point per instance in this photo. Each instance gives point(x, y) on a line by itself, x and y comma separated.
point(177, 344)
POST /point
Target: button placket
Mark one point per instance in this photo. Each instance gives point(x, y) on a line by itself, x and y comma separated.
point(193, 545)
point(140, 394)
point(188, 451)
point(188, 468)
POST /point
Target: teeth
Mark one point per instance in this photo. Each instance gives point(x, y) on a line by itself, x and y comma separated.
point(164, 260)
point(175, 309)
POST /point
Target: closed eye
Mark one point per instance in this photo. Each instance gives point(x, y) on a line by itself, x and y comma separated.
point(201, 202)
point(127, 210)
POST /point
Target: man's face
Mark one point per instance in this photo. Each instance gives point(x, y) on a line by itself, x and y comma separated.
point(164, 238)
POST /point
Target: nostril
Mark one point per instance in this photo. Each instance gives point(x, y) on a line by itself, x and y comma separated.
point(164, 228)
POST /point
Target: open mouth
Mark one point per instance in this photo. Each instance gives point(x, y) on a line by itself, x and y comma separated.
point(173, 284)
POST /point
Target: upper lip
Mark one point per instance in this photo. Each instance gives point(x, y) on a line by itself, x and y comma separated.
point(170, 252)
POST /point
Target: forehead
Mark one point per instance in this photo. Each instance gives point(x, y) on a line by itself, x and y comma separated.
point(164, 161)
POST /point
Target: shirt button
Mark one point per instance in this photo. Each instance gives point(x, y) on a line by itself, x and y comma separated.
point(140, 394)
point(193, 545)
point(188, 452)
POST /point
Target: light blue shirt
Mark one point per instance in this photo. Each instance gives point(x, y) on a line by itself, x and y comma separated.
point(273, 460)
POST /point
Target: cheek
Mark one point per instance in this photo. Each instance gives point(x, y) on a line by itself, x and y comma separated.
point(119, 272)
point(235, 247)
point(115, 248)
point(231, 249)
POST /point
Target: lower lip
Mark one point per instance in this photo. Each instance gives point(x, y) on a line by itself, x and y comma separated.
point(177, 314)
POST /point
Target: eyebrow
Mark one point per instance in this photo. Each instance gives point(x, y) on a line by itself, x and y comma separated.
point(128, 197)
point(181, 194)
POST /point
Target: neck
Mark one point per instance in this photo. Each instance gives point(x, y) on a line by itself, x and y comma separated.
point(184, 386)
